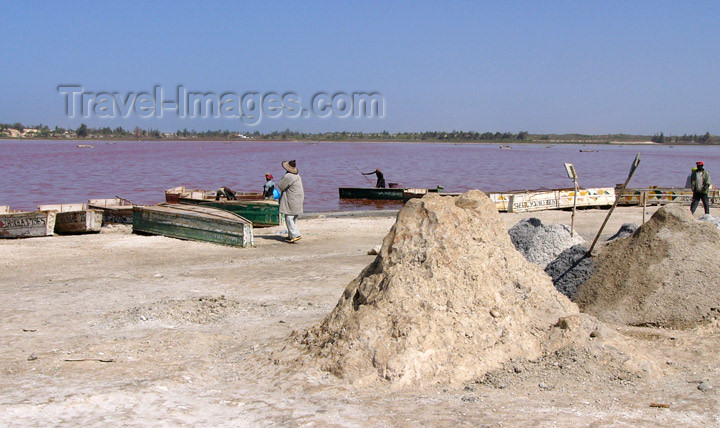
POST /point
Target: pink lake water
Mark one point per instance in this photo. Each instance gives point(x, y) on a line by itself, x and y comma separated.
point(44, 172)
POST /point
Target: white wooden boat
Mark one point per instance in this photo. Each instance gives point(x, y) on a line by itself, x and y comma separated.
point(538, 200)
point(115, 210)
point(27, 224)
point(4, 209)
point(75, 218)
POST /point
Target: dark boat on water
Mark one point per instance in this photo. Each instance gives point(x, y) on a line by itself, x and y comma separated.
point(388, 194)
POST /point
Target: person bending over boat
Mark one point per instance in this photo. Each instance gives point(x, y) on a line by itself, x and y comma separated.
point(269, 187)
point(380, 178)
point(225, 192)
point(291, 199)
point(700, 185)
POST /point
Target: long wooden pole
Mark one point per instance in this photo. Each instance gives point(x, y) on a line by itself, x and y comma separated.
point(617, 199)
point(361, 173)
point(572, 220)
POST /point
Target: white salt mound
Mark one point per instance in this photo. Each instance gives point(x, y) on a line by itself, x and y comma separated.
point(540, 243)
point(711, 219)
point(665, 274)
point(447, 300)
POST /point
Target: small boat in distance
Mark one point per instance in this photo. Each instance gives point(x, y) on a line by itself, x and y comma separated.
point(506, 147)
point(587, 150)
point(85, 146)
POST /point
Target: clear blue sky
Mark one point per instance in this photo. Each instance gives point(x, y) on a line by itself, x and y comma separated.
point(541, 66)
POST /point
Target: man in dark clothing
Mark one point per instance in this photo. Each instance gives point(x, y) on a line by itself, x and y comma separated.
point(225, 192)
point(700, 185)
point(380, 178)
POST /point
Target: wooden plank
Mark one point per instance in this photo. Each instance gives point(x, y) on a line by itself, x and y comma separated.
point(86, 221)
point(192, 222)
point(27, 224)
point(63, 208)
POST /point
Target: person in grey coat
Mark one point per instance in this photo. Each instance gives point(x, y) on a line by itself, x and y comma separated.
point(291, 199)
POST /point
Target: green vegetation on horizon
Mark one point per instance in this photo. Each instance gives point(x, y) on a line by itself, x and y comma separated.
point(18, 130)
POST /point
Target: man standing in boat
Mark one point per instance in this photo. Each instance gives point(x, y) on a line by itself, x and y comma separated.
point(380, 178)
point(291, 199)
point(700, 185)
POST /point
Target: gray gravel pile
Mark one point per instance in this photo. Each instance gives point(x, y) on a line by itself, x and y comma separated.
point(711, 219)
point(539, 243)
point(625, 230)
point(570, 269)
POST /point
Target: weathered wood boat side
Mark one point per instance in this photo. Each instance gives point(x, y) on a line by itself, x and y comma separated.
point(115, 210)
point(263, 213)
point(75, 218)
point(538, 200)
point(27, 224)
point(193, 222)
point(173, 196)
point(4, 209)
point(662, 196)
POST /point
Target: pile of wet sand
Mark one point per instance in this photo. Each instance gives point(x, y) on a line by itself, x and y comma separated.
point(665, 274)
point(449, 299)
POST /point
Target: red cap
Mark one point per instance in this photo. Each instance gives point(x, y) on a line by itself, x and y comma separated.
point(268, 175)
point(699, 163)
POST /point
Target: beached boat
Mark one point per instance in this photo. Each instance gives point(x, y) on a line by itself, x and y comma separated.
point(4, 209)
point(172, 196)
point(662, 196)
point(115, 210)
point(538, 200)
point(263, 213)
point(75, 218)
point(389, 194)
point(27, 224)
point(193, 222)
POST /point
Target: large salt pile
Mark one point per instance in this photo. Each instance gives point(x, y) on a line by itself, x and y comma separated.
point(667, 273)
point(540, 243)
point(447, 300)
point(570, 269)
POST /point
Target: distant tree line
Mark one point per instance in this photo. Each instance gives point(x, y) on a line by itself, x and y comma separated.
point(83, 131)
point(685, 139)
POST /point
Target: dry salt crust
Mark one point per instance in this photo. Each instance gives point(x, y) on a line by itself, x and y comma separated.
point(665, 274)
point(540, 243)
point(448, 300)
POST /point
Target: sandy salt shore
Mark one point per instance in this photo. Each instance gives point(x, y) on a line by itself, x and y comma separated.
point(118, 329)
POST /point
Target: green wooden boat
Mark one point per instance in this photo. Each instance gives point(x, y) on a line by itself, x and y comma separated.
point(263, 213)
point(192, 222)
point(390, 194)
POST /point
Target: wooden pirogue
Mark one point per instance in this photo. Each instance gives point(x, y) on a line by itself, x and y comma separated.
point(24, 224)
point(75, 218)
point(115, 210)
point(389, 194)
point(173, 196)
point(193, 222)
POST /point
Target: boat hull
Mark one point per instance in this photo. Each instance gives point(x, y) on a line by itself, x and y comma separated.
point(264, 213)
point(73, 222)
point(379, 193)
point(195, 223)
point(115, 210)
point(27, 224)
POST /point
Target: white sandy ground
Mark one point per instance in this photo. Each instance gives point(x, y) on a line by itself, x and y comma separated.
point(181, 361)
